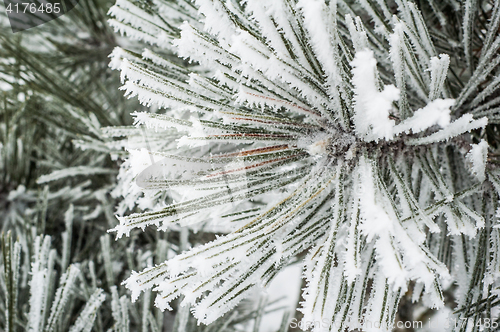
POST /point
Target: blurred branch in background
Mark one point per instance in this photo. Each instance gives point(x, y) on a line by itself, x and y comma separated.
point(57, 177)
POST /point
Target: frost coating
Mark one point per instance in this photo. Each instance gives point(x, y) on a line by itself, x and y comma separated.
point(478, 156)
point(371, 107)
point(344, 165)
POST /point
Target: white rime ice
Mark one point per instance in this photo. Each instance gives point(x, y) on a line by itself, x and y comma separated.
point(371, 106)
point(439, 70)
point(42, 265)
point(296, 129)
point(437, 112)
point(46, 316)
point(478, 156)
point(462, 125)
point(85, 320)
